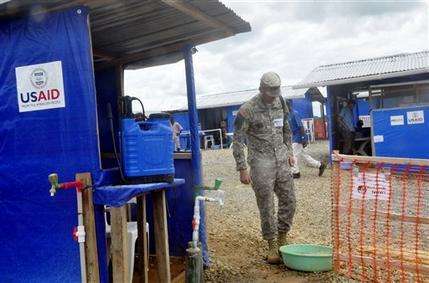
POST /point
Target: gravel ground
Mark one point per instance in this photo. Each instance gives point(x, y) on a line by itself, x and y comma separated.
point(236, 247)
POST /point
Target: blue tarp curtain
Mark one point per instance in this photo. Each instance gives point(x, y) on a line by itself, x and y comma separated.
point(35, 239)
point(117, 196)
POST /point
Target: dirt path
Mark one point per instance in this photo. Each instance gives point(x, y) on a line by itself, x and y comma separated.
point(235, 244)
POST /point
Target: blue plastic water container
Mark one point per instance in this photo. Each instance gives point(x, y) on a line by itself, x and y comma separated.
point(147, 149)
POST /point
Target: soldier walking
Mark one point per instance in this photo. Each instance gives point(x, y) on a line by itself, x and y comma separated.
point(263, 122)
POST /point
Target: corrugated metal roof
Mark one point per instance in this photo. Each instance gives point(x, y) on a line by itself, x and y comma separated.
point(369, 69)
point(133, 32)
point(207, 101)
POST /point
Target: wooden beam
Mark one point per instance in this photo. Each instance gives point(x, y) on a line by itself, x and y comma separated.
point(180, 278)
point(382, 215)
point(119, 244)
point(197, 14)
point(91, 252)
point(102, 54)
point(164, 48)
point(143, 264)
point(21, 9)
point(382, 262)
point(336, 156)
point(161, 236)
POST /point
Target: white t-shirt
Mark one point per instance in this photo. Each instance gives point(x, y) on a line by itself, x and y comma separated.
point(177, 128)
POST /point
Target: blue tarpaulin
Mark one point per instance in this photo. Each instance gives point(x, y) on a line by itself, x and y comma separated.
point(119, 195)
point(48, 124)
point(401, 132)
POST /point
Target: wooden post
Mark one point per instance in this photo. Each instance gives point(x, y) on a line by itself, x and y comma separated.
point(119, 245)
point(143, 264)
point(91, 253)
point(161, 236)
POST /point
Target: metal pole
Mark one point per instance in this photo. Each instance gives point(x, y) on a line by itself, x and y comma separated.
point(330, 112)
point(193, 116)
point(195, 140)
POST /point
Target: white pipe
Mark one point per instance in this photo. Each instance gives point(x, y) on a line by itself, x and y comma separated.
point(81, 236)
point(196, 220)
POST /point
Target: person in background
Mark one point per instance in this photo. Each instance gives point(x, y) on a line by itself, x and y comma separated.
point(262, 121)
point(223, 127)
point(362, 132)
point(177, 128)
point(346, 126)
point(299, 144)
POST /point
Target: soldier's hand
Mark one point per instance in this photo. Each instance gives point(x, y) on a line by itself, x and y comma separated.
point(304, 144)
point(291, 160)
point(245, 177)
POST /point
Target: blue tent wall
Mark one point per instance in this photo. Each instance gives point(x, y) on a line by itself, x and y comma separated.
point(183, 119)
point(303, 106)
point(108, 89)
point(36, 243)
point(231, 114)
point(408, 140)
point(362, 106)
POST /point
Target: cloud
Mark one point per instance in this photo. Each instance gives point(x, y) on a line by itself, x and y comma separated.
point(291, 38)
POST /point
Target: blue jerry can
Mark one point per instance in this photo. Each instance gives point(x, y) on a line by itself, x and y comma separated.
point(147, 149)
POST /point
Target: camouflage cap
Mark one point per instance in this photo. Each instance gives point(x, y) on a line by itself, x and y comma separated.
point(271, 83)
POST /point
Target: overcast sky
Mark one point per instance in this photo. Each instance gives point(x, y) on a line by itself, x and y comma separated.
point(291, 38)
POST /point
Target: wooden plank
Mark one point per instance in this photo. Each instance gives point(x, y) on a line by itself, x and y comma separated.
point(161, 236)
point(91, 253)
point(163, 48)
point(182, 155)
point(143, 264)
point(197, 14)
point(424, 269)
point(119, 245)
point(407, 254)
point(181, 278)
point(103, 54)
point(381, 215)
point(377, 159)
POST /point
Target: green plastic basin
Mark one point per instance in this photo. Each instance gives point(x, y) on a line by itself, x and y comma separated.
point(305, 257)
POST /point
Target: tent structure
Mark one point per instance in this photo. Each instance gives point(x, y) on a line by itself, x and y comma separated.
point(397, 87)
point(61, 65)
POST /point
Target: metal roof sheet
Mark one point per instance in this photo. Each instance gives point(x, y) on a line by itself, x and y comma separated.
point(207, 101)
point(369, 69)
point(134, 32)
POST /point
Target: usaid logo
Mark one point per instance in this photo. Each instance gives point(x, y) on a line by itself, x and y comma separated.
point(416, 117)
point(39, 78)
point(40, 86)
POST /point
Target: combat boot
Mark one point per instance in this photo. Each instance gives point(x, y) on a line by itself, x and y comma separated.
point(282, 239)
point(322, 168)
point(273, 252)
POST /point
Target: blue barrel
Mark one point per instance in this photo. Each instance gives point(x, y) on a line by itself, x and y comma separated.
point(147, 149)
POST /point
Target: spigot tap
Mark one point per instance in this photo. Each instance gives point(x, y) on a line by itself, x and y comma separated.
point(55, 185)
point(53, 179)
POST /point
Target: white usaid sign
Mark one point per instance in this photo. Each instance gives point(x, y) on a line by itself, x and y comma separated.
point(370, 187)
point(397, 120)
point(416, 117)
point(40, 86)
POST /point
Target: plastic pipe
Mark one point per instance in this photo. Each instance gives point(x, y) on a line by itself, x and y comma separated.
point(80, 236)
point(196, 220)
point(80, 230)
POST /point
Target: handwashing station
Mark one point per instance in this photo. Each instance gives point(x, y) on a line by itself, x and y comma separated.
point(72, 149)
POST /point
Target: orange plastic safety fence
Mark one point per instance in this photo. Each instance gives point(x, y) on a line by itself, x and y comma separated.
point(380, 221)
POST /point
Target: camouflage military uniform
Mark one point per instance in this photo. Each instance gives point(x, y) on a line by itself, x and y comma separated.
point(269, 146)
